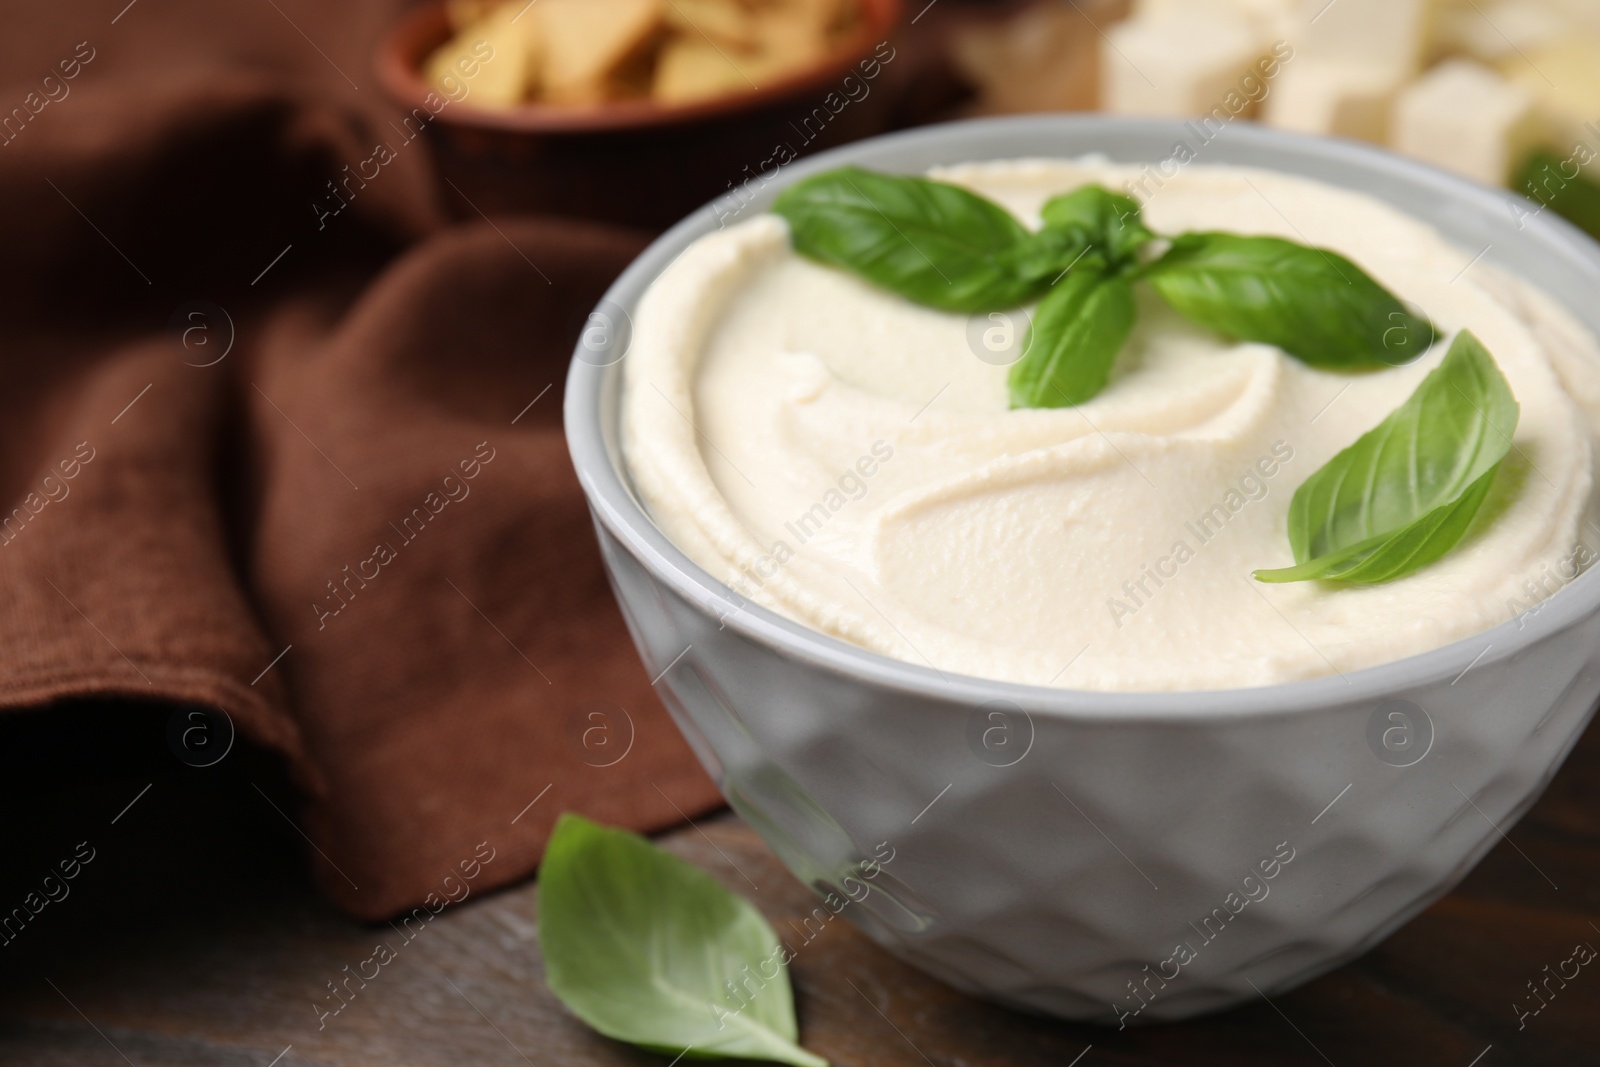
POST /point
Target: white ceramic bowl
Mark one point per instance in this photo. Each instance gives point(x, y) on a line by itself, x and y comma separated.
point(1052, 849)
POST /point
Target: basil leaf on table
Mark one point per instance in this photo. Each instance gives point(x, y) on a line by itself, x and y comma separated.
point(930, 242)
point(638, 944)
point(1078, 329)
point(1405, 493)
point(1312, 303)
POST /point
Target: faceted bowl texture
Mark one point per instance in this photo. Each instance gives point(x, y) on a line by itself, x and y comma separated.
point(1112, 857)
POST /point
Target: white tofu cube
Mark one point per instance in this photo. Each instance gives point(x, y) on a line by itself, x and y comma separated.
point(1465, 117)
point(1565, 79)
point(1388, 34)
point(1275, 20)
point(1179, 66)
point(1490, 30)
point(1278, 19)
point(1160, 10)
point(1584, 13)
point(1335, 97)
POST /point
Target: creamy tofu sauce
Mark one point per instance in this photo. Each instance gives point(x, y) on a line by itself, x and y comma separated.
point(847, 458)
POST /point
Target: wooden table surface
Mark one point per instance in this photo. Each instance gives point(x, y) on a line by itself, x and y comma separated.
point(193, 940)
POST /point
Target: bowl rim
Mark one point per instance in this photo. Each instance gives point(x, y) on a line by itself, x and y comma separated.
point(400, 55)
point(615, 507)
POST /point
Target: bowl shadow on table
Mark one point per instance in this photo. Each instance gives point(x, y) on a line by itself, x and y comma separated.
point(635, 162)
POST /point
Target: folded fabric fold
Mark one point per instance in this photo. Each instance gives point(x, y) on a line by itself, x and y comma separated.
point(326, 493)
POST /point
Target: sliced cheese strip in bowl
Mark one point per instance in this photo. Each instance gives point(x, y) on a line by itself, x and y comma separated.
point(496, 58)
point(695, 69)
point(589, 41)
point(728, 23)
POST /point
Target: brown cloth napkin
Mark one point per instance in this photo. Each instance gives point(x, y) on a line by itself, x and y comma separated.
point(307, 470)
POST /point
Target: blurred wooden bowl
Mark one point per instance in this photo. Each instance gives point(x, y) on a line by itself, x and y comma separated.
point(633, 162)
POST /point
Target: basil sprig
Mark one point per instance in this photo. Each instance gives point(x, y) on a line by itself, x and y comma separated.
point(1407, 491)
point(948, 248)
point(1099, 219)
point(650, 950)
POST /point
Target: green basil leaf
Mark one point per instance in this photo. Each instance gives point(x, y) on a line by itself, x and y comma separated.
point(1078, 329)
point(639, 945)
point(1406, 492)
point(1045, 256)
point(1544, 178)
point(930, 242)
point(1100, 218)
point(1312, 303)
